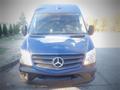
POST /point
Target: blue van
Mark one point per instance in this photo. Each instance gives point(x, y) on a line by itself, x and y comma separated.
point(58, 46)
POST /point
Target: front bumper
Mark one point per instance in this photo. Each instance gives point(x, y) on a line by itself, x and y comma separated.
point(69, 74)
point(59, 72)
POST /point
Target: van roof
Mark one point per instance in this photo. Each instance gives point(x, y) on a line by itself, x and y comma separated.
point(68, 9)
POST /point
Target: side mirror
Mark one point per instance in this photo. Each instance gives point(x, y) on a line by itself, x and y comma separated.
point(91, 30)
point(24, 30)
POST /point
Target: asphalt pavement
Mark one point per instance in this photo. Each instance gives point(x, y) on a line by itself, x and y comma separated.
point(107, 75)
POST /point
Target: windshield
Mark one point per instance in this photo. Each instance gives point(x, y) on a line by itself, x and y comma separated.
point(57, 24)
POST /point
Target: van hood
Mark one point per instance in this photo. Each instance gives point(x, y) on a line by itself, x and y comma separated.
point(57, 44)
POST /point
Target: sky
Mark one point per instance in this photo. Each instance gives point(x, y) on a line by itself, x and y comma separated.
point(10, 10)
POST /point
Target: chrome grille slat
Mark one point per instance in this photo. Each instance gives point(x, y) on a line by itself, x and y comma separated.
point(72, 62)
point(42, 62)
point(51, 57)
point(52, 67)
point(50, 62)
point(45, 61)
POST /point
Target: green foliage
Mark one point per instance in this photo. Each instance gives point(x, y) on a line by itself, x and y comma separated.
point(5, 31)
point(16, 29)
point(1, 31)
point(11, 30)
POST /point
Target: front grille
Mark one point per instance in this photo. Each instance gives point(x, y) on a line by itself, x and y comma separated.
point(45, 61)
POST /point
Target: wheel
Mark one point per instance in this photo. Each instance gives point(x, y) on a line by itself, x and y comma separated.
point(27, 76)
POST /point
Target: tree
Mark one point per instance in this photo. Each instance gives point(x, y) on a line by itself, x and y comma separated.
point(103, 24)
point(95, 23)
point(0, 30)
point(117, 24)
point(22, 20)
point(5, 31)
point(10, 29)
point(16, 29)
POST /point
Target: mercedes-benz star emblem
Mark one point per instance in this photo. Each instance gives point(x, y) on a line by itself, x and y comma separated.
point(58, 62)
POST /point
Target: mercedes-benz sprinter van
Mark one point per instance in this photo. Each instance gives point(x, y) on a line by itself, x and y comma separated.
point(58, 46)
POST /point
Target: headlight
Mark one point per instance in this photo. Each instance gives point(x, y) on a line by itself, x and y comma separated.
point(90, 57)
point(26, 58)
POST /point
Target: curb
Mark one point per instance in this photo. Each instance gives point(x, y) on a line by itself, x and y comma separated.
point(9, 65)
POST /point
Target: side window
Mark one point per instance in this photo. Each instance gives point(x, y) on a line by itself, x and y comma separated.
point(32, 24)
